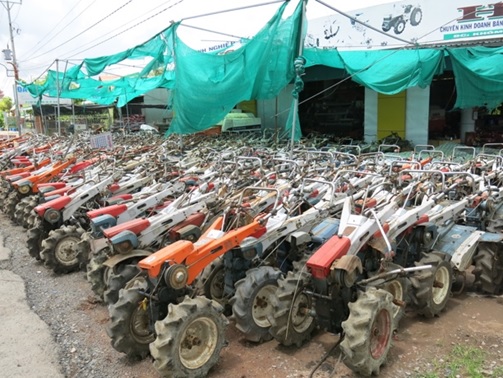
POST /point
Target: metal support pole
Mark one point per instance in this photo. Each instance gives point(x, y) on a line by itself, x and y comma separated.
point(42, 120)
point(58, 91)
point(296, 99)
point(14, 65)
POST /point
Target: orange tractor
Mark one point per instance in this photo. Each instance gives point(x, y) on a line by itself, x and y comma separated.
point(159, 310)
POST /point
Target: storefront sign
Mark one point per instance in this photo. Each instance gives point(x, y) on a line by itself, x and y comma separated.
point(422, 22)
point(27, 100)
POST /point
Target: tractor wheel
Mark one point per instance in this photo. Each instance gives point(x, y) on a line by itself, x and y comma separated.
point(36, 235)
point(4, 193)
point(386, 28)
point(31, 220)
point(399, 288)
point(368, 331)
point(59, 249)
point(489, 268)
point(129, 326)
point(189, 339)
point(19, 210)
point(431, 287)
point(10, 203)
point(83, 250)
point(251, 304)
point(291, 321)
point(28, 212)
point(117, 280)
point(495, 225)
point(416, 16)
point(210, 282)
point(96, 269)
point(399, 26)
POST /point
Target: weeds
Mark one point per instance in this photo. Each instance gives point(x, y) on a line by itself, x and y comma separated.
point(462, 361)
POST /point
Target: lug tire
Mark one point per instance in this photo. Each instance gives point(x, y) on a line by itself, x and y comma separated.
point(416, 16)
point(251, 303)
point(19, 210)
point(291, 322)
point(431, 288)
point(59, 249)
point(211, 282)
point(189, 339)
point(31, 220)
point(368, 332)
point(36, 235)
point(122, 274)
point(489, 268)
point(29, 211)
point(399, 288)
point(4, 193)
point(129, 324)
point(10, 203)
point(96, 270)
point(399, 27)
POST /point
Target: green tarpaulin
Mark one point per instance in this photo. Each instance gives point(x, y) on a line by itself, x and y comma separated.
point(207, 85)
point(478, 72)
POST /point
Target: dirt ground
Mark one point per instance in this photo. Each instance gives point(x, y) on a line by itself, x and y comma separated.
point(468, 321)
point(422, 347)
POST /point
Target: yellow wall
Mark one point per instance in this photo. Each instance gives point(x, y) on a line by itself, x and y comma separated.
point(248, 106)
point(391, 114)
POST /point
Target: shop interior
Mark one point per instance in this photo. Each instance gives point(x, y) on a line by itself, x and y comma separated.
point(332, 107)
point(444, 120)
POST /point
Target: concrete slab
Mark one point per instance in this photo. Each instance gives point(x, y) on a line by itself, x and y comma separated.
point(26, 346)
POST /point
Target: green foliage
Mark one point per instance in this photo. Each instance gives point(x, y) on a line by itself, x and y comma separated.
point(5, 104)
point(464, 361)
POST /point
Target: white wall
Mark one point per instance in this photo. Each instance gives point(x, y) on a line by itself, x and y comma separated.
point(370, 116)
point(467, 123)
point(417, 115)
point(158, 96)
point(274, 112)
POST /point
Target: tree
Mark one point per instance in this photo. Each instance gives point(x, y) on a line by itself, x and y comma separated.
point(5, 106)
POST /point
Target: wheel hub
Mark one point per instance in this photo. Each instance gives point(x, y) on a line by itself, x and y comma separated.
point(198, 342)
point(441, 285)
point(261, 306)
point(380, 334)
point(300, 318)
point(140, 326)
point(66, 252)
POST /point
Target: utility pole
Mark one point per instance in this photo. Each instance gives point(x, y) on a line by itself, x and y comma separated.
point(11, 55)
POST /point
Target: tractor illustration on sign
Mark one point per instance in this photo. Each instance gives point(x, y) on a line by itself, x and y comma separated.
point(400, 17)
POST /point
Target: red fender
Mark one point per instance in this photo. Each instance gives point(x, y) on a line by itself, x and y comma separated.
point(135, 225)
point(333, 249)
point(113, 210)
point(61, 191)
point(56, 204)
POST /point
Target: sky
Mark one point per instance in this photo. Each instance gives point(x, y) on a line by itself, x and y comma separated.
point(61, 33)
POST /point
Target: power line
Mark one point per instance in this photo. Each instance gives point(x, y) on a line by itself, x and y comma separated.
point(46, 37)
point(125, 30)
point(92, 43)
point(90, 27)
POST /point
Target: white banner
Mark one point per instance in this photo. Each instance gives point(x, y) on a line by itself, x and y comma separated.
point(26, 100)
point(404, 23)
point(103, 140)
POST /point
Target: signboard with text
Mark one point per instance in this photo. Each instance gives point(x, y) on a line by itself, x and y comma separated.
point(26, 100)
point(402, 23)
